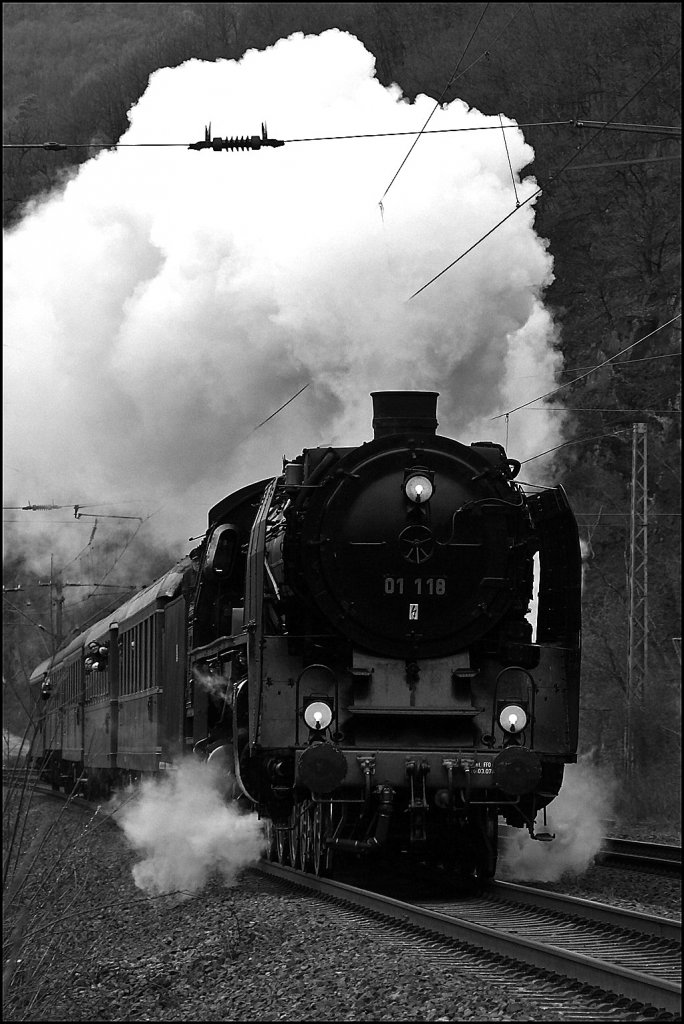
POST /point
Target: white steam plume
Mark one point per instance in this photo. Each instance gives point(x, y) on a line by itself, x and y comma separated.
point(576, 817)
point(167, 301)
point(186, 831)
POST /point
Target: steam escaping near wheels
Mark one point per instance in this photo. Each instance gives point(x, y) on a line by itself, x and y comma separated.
point(576, 817)
point(186, 833)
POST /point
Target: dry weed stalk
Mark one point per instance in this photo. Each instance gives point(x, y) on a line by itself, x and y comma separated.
point(46, 877)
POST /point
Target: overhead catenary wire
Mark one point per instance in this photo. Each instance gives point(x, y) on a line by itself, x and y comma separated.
point(110, 586)
point(599, 512)
point(552, 177)
point(36, 625)
point(626, 366)
point(36, 508)
point(569, 383)
point(99, 515)
point(16, 608)
point(50, 507)
point(123, 550)
point(437, 104)
point(583, 408)
point(632, 160)
point(510, 165)
point(84, 548)
point(280, 408)
point(667, 130)
point(273, 414)
point(577, 440)
point(606, 409)
point(130, 590)
point(44, 522)
point(98, 613)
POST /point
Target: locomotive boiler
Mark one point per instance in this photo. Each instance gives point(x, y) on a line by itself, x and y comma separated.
point(351, 642)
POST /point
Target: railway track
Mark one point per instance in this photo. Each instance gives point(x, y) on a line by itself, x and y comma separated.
point(614, 852)
point(630, 853)
point(577, 956)
point(584, 955)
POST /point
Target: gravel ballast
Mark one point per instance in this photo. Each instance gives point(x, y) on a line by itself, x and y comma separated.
point(91, 946)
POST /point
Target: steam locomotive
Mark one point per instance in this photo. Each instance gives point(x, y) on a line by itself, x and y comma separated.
point(351, 645)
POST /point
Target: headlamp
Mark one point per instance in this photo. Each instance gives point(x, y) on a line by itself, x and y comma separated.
point(318, 715)
point(418, 489)
point(513, 719)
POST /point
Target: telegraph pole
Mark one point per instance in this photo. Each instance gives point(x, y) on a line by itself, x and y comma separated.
point(56, 601)
point(637, 668)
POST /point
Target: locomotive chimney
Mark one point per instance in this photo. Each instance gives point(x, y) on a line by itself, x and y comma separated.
point(404, 412)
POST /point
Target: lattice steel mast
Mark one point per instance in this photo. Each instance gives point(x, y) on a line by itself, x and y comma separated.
point(637, 668)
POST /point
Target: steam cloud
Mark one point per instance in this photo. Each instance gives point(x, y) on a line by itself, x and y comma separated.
point(187, 833)
point(167, 301)
point(576, 817)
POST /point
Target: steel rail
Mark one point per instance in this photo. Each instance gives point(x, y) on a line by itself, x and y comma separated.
point(643, 988)
point(635, 853)
point(589, 910)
